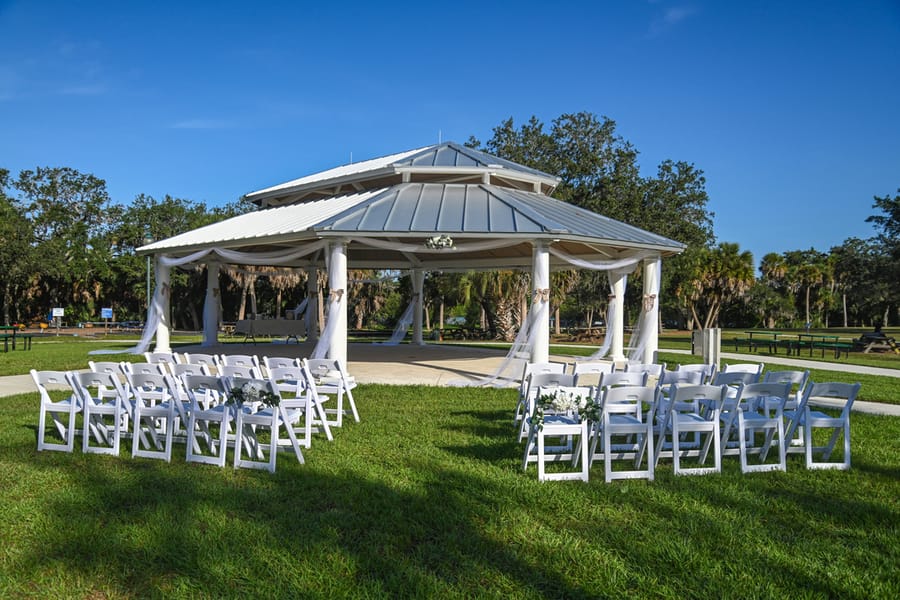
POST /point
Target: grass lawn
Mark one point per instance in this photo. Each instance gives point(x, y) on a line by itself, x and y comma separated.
point(426, 498)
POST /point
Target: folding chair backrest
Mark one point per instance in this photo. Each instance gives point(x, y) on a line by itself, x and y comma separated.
point(278, 362)
point(322, 367)
point(539, 367)
point(800, 379)
point(236, 383)
point(144, 367)
point(707, 370)
point(42, 379)
point(288, 379)
point(590, 371)
point(239, 371)
point(239, 360)
point(189, 369)
point(624, 378)
point(105, 367)
point(209, 360)
point(106, 385)
point(652, 369)
point(756, 395)
point(734, 378)
point(681, 377)
point(147, 386)
point(744, 368)
point(629, 398)
point(836, 391)
point(687, 397)
point(199, 387)
point(167, 358)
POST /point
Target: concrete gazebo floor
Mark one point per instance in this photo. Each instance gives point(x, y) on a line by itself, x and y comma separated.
point(431, 364)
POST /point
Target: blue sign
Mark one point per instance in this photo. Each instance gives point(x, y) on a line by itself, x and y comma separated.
point(106, 313)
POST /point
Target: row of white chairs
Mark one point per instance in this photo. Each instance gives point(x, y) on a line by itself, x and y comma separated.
point(154, 402)
point(684, 419)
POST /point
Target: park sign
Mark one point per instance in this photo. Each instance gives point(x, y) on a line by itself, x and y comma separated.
point(58, 312)
point(106, 313)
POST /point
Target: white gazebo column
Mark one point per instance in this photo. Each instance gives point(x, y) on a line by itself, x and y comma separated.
point(337, 284)
point(311, 317)
point(418, 283)
point(211, 306)
point(540, 278)
point(617, 327)
point(652, 274)
point(163, 306)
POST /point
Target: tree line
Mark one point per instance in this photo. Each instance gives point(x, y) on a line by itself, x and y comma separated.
point(65, 243)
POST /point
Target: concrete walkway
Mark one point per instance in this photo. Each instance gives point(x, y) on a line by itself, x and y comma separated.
point(443, 365)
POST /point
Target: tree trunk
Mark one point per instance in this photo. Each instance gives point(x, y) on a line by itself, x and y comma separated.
point(887, 314)
point(242, 307)
point(556, 320)
point(441, 315)
point(428, 317)
point(278, 304)
point(807, 304)
point(844, 300)
point(253, 307)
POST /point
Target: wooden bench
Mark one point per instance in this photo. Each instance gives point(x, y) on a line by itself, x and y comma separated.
point(840, 348)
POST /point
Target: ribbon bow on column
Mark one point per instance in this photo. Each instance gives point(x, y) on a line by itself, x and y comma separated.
point(649, 301)
point(165, 290)
point(541, 295)
point(335, 295)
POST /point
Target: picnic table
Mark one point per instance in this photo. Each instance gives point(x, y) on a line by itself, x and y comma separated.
point(816, 341)
point(771, 340)
point(12, 333)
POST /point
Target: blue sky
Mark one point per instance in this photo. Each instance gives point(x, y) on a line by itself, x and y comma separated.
point(792, 109)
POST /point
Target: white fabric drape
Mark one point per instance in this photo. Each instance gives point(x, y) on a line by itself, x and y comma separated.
point(421, 249)
point(402, 327)
point(155, 310)
point(510, 370)
point(642, 330)
point(603, 350)
point(324, 344)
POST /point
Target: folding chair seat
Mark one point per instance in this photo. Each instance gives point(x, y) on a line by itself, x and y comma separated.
point(536, 381)
point(63, 412)
point(808, 419)
point(590, 372)
point(627, 415)
point(249, 361)
point(105, 408)
point(153, 403)
point(209, 419)
point(331, 379)
point(528, 369)
point(685, 413)
point(273, 418)
point(566, 424)
point(747, 416)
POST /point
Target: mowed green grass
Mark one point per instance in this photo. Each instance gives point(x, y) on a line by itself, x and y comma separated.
point(426, 498)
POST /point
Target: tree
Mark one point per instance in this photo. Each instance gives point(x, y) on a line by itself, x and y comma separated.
point(16, 253)
point(718, 276)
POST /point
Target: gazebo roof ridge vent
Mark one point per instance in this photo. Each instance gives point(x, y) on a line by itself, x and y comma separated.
point(447, 162)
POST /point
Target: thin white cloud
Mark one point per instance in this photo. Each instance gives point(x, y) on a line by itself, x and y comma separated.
point(671, 17)
point(202, 124)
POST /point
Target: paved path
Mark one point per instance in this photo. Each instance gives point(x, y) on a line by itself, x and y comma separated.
point(442, 365)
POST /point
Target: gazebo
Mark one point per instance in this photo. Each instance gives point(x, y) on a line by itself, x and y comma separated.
point(438, 208)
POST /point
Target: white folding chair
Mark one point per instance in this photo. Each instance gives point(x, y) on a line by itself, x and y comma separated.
point(798, 381)
point(209, 419)
point(624, 378)
point(590, 372)
point(544, 424)
point(145, 368)
point(627, 415)
point(330, 379)
point(62, 412)
point(528, 369)
point(808, 419)
point(748, 415)
point(248, 425)
point(105, 406)
point(685, 414)
point(153, 403)
point(535, 381)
